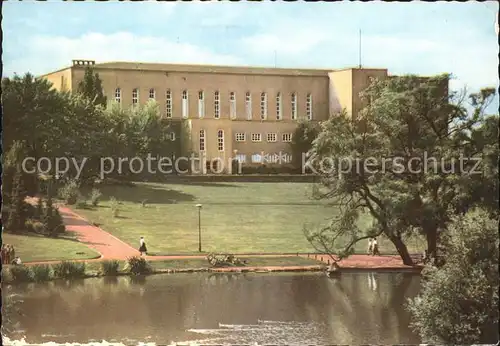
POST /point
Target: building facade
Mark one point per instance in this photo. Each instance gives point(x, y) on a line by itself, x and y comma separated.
point(243, 113)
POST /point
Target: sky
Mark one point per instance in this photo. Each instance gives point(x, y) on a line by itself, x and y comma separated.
point(406, 38)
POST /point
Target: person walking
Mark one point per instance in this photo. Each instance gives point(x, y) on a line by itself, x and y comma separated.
point(375, 247)
point(370, 246)
point(142, 248)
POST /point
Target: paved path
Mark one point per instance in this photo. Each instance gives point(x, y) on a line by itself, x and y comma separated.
point(111, 247)
point(94, 237)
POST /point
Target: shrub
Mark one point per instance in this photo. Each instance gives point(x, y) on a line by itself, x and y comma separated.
point(53, 224)
point(67, 270)
point(95, 195)
point(458, 302)
point(115, 209)
point(30, 210)
point(42, 272)
point(69, 192)
point(110, 267)
point(138, 265)
point(22, 273)
point(264, 169)
point(34, 226)
point(81, 201)
point(39, 208)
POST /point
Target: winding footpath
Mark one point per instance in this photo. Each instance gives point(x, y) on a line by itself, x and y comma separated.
point(110, 247)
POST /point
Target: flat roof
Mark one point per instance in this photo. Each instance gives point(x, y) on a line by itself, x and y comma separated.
point(199, 68)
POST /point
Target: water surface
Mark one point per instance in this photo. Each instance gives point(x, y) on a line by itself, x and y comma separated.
point(358, 308)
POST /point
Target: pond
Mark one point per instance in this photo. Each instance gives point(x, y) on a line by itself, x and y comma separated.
point(242, 308)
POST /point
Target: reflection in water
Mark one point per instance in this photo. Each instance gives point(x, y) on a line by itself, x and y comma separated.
point(372, 281)
point(219, 308)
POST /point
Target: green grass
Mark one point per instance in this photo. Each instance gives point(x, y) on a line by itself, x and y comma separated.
point(196, 263)
point(34, 248)
point(235, 218)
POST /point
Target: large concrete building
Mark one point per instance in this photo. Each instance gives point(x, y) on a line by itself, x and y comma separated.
point(247, 113)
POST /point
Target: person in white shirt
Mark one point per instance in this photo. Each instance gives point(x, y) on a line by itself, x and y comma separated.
point(142, 248)
point(375, 247)
point(370, 246)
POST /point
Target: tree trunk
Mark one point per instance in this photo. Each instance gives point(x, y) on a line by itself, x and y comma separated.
point(431, 235)
point(402, 250)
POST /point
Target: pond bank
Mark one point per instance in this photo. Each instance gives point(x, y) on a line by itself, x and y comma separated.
point(94, 269)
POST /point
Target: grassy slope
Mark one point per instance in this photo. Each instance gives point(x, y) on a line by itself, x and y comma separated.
point(35, 248)
point(236, 217)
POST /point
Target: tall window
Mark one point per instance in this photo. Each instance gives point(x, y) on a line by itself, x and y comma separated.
point(168, 104)
point(278, 106)
point(185, 104)
point(220, 140)
point(309, 113)
point(118, 95)
point(294, 106)
point(248, 105)
point(135, 96)
point(217, 105)
point(152, 94)
point(202, 140)
point(232, 105)
point(263, 106)
point(201, 104)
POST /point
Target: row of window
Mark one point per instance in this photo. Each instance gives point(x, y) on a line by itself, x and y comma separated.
point(232, 104)
point(257, 137)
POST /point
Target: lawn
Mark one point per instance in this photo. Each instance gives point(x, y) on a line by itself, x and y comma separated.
point(235, 217)
point(32, 248)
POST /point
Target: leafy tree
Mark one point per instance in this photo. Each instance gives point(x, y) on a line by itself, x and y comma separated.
point(35, 115)
point(459, 301)
point(302, 139)
point(140, 131)
point(398, 161)
point(91, 87)
point(12, 160)
point(17, 209)
point(482, 189)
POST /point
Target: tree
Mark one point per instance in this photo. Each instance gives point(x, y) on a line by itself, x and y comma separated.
point(17, 209)
point(302, 139)
point(458, 303)
point(398, 162)
point(35, 115)
point(11, 161)
point(482, 189)
point(91, 87)
point(52, 220)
